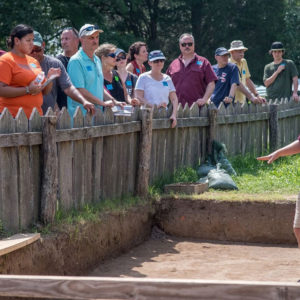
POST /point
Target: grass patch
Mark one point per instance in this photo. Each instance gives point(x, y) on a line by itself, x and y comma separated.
point(255, 179)
point(89, 213)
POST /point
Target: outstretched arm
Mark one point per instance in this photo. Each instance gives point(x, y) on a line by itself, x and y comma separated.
point(290, 149)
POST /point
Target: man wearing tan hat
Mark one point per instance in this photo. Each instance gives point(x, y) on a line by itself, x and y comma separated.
point(280, 75)
point(237, 51)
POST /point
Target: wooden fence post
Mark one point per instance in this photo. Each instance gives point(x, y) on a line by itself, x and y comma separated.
point(142, 181)
point(212, 117)
point(273, 127)
point(49, 171)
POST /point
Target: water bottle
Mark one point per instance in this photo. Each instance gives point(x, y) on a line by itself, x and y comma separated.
point(39, 78)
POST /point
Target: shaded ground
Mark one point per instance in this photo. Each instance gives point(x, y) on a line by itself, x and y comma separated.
point(170, 257)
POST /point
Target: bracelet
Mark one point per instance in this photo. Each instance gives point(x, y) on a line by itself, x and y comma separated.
point(27, 90)
point(231, 97)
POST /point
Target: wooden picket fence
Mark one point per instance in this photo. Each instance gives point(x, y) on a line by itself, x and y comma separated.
point(46, 162)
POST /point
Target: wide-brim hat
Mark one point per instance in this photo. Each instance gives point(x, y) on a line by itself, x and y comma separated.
point(276, 46)
point(89, 29)
point(237, 45)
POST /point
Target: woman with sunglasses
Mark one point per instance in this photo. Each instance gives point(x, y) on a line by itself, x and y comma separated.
point(127, 79)
point(18, 73)
point(112, 84)
point(138, 54)
point(155, 88)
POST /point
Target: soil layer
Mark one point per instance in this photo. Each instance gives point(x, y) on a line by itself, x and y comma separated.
point(76, 249)
point(240, 221)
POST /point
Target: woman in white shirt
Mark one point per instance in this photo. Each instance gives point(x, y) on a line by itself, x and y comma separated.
point(155, 88)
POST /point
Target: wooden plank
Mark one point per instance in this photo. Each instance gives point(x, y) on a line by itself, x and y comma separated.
point(9, 199)
point(26, 204)
point(65, 168)
point(17, 241)
point(129, 187)
point(96, 131)
point(97, 153)
point(35, 121)
point(88, 179)
point(78, 162)
point(20, 139)
point(67, 287)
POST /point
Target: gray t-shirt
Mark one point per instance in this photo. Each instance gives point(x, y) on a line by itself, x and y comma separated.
point(63, 80)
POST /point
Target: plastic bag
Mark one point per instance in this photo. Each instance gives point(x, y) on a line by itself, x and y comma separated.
point(220, 179)
point(205, 168)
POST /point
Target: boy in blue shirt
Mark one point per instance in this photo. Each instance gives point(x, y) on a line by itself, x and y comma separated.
point(228, 78)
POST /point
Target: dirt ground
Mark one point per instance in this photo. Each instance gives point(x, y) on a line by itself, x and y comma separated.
point(170, 257)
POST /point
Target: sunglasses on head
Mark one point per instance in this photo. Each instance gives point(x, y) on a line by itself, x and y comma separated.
point(186, 44)
point(123, 57)
point(92, 27)
point(112, 55)
point(159, 61)
point(37, 50)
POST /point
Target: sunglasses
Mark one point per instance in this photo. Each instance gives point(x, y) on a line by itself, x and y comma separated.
point(36, 50)
point(112, 55)
point(186, 44)
point(159, 61)
point(121, 58)
point(92, 27)
point(72, 29)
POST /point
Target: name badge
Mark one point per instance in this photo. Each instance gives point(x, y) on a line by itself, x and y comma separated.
point(109, 87)
point(116, 78)
point(32, 65)
point(128, 83)
point(89, 68)
point(165, 83)
point(138, 70)
point(244, 72)
point(199, 63)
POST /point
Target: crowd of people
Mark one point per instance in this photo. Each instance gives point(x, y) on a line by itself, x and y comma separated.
point(93, 76)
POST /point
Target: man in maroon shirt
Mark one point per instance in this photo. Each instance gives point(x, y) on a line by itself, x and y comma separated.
point(192, 75)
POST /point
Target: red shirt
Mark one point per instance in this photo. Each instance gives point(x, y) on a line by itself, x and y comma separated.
point(136, 69)
point(191, 81)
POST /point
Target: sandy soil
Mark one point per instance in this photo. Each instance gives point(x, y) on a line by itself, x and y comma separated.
point(171, 257)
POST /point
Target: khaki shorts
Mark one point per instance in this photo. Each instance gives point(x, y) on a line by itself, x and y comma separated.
point(297, 213)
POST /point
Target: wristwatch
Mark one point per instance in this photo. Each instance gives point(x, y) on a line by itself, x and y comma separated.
point(27, 89)
point(231, 97)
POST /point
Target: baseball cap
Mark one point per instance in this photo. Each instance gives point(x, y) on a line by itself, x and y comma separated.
point(89, 29)
point(155, 55)
point(118, 51)
point(221, 51)
point(38, 40)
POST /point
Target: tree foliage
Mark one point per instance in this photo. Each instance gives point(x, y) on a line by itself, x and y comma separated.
point(160, 22)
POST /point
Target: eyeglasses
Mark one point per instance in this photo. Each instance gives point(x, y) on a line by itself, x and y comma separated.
point(112, 55)
point(159, 61)
point(121, 58)
point(186, 44)
point(37, 50)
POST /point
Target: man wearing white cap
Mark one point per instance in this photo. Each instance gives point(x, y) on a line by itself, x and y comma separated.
point(237, 51)
point(85, 70)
